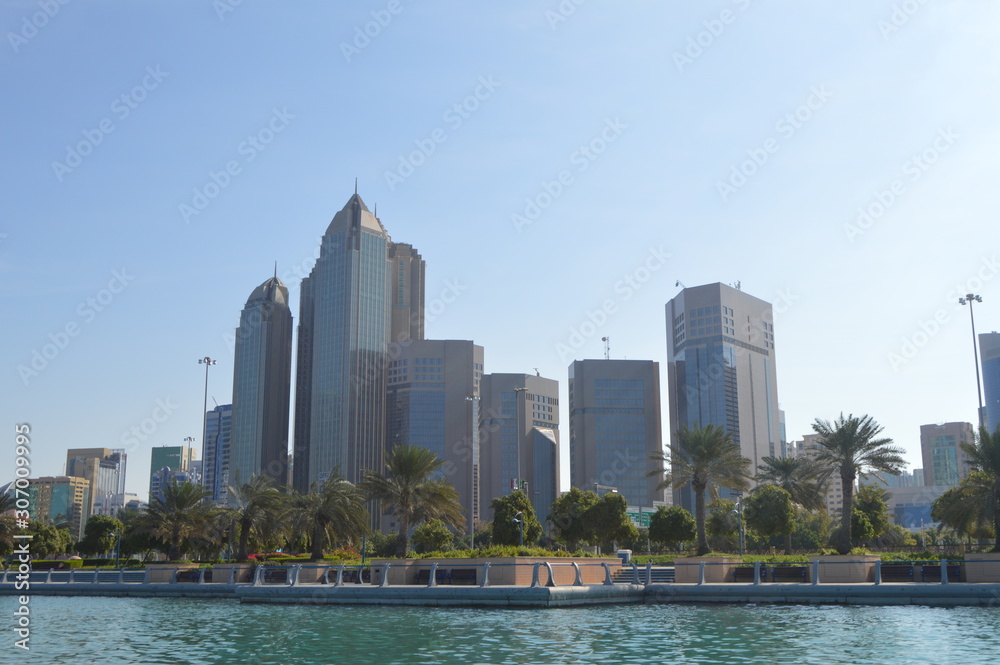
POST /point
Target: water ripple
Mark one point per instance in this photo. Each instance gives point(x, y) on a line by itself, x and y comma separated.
point(118, 631)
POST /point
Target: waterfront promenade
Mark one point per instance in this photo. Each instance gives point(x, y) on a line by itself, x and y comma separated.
point(328, 585)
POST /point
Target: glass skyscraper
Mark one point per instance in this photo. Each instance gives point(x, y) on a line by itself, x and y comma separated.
point(261, 386)
point(433, 395)
point(344, 346)
point(721, 369)
point(215, 458)
point(989, 347)
point(614, 428)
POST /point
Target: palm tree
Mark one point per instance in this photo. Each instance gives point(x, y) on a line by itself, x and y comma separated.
point(975, 502)
point(851, 446)
point(7, 523)
point(408, 491)
point(799, 476)
point(178, 516)
point(704, 457)
point(335, 509)
point(253, 504)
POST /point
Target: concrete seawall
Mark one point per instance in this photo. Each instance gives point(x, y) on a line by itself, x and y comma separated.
point(939, 595)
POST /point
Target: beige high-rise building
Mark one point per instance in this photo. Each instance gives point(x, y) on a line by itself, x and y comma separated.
point(721, 370)
point(519, 422)
point(54, 498)
point(945, 464)
point(406, 287)
point(103, 468)
point(809, 447)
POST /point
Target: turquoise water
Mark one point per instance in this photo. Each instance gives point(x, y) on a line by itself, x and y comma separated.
point(111, 631)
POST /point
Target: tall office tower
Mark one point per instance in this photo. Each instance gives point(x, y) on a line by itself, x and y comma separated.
point(809, 446)
point(614, 428)
point(519, 417)
point(433, 402)
point(56, 497)
point(102, 467)
point(344, 333)
point(177, 458)
point(989, 348)
point(721, 370)
point(216, 452)
point(945, 464)
point(262, 375)
point(406, 292)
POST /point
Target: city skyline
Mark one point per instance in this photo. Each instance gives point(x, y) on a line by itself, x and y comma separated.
point(843, 173)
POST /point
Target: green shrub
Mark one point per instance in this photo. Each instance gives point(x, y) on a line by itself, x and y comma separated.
point(54, 564)
point(776, 559)
point(498, 551)
point(655, 559)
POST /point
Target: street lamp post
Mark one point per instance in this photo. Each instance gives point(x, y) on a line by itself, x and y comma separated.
point(739, 516)
point(519, 518)
point(969, 299)
point(118, 546)
point(207, 362)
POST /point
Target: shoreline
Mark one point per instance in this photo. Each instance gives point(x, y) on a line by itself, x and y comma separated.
point(956, 594)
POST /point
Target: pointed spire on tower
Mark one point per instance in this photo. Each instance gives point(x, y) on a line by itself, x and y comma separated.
point(355, 185)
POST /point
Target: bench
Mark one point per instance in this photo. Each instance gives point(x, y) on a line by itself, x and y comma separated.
point(424, 576)
point(745, 573)
point(275, 576)
point(351, 576)
point(788, 574)
point(189, 575)
point(932, 573)
point(462, 576)
point(895, 572)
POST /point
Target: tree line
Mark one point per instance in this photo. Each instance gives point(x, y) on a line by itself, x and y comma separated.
point(786, 504)
point(706, 458)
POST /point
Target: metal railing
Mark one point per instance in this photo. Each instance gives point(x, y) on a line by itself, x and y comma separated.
point(542, 573)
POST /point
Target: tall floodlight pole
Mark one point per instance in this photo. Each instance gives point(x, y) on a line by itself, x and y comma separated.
point(473, 470)
point(517, 412)
point(969, 299)
point(207, 362)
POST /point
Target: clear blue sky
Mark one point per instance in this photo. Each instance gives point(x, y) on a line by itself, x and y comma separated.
point(158, 158)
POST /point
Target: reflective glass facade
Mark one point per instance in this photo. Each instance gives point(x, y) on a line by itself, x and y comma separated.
point(989, 348)
point(262, 370)
point(433, 390)
point(345, 330)
point(615, 427)
point(721, 370)
point(944, 460)
point(218, 426)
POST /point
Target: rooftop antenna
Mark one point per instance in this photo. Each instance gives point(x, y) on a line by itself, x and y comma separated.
point(680, 284)
point(355, 186)
point(607, 347)
point(537, 373)
point(738, 285)
point(275, 276)
point(216, 401)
